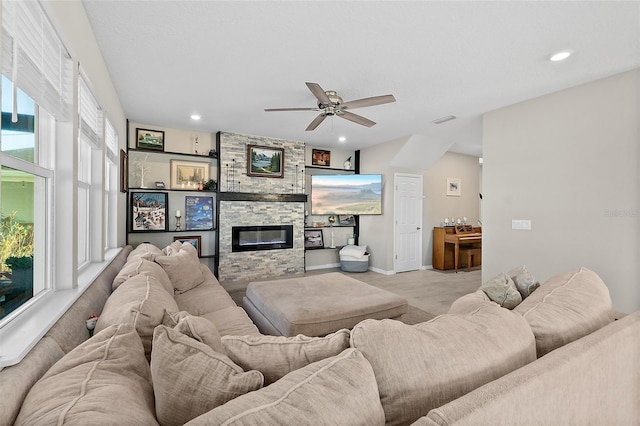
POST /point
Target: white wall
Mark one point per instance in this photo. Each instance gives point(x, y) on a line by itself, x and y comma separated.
point(569, 162)
point(377, 231)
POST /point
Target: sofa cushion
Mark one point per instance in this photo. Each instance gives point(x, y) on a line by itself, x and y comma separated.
point(172, 248)
point(183, 268)
point(140, 301)
point(190, 378)
point(208, 297)
point(145, 267)
point(524, 281)
point(502, 290)
point(145, 251)
point(567, 307)
point(198, 328)
point(470, 302)
point(276, 356)
point(423, 366)
point(105, 380)
point(340, 390)
point(232, 321)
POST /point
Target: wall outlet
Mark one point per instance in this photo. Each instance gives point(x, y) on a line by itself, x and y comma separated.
point(522, 224)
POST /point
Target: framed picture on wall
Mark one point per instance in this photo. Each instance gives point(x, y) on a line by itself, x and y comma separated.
point(150, 139)
point(148, 211)
point(453, 187)
point(313, 239)
point(124, 171)
point(195, 240)
point(265, 161)
point(198, 213)
point(188, 175)
point(320, 157)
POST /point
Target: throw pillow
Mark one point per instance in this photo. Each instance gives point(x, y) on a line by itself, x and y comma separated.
point(524, 281)
point(140, 301)
point(423, 366)
point(145, 251)
point(567, 307)
point(189, 378)
point(502, 290)
point(145, 267)
point(105, 380)
point(276, 356)
point(340, 390)
point(183, 268)
point(198, 328)
point(172, 248)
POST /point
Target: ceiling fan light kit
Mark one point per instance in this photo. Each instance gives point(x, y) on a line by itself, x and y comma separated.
point(330, 104)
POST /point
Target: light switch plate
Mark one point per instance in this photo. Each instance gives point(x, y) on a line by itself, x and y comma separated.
point(522, 224)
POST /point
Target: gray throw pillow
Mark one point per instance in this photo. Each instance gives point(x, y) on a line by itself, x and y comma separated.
point(502, 290)
point(524, 281)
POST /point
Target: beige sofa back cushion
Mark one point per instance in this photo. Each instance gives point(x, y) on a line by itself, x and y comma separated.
point(142, 266)
point(105, 380)
point(198, 328)
point(140, 301)
point(424, 366)
point(340, 390)
point(190, 378)
point(276, 356)
point(565, 308)
point(183, 268)
point(145, 251)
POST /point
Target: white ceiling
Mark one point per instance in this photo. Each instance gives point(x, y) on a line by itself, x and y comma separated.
point(228, 60)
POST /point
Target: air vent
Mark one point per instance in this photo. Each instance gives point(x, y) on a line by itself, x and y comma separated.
point(444, 119)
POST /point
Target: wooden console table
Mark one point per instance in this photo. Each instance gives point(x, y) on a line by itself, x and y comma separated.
point(446, 244)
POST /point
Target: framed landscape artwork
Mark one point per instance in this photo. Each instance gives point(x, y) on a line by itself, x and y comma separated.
point(188, 175)
point(265, 161)
point(195, 240)
point(198, 213)
point(150, 139)
point(148, 211)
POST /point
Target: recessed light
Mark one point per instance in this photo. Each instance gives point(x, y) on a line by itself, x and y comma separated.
point(342, 139)
point(561, 55)
point(195, 117)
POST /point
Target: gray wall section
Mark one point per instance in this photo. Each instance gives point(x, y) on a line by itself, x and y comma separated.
point(569, 162)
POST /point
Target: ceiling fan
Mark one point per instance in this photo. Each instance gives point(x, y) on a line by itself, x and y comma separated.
point(329, 103)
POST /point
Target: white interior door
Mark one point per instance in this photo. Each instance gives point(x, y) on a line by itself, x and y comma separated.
point(407, 222)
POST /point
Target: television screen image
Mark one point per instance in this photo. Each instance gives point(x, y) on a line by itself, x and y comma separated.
point(346, 194)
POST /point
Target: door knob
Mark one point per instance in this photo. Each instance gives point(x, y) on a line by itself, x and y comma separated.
point(418, 228)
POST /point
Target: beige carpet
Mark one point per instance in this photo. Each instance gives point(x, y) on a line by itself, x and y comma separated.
point(431, 292)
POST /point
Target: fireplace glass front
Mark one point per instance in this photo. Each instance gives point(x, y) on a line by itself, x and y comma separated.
point(270, 237)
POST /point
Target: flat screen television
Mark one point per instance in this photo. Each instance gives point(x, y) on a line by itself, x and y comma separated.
point(346, 194)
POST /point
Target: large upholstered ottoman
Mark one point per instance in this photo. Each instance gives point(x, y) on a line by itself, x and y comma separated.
point(317, 305)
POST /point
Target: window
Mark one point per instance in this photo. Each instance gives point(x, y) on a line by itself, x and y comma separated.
point(111, 187)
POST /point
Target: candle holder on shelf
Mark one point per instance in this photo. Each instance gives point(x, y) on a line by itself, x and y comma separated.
point(178, 217)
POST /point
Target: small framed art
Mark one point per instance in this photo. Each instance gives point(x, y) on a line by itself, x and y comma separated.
point(453, 187)
point(195, 240)
point(150, 139)
point(188, 175)
point(198, 213)
point(313, 239)
point(148, 211)
point(124, 171)
point(320, 157)
point(265, 161)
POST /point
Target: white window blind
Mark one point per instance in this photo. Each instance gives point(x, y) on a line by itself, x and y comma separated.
point(90, 116)
point(34, 58)
point(111, 141)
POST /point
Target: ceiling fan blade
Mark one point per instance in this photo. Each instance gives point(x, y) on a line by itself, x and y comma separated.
point(365, 102)
point(319, 93)
point(316, 122)
point(291, 109)
point(355, 118)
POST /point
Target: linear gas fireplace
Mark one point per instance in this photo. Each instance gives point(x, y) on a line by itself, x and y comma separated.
point(270, 237)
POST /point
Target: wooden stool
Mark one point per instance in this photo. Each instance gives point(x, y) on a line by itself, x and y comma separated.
point(469, 252)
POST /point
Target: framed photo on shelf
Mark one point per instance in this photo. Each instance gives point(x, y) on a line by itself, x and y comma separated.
point(195, 240)
point(313, 239)
point(188, 175)
point(150, 139)
point(265, 161)
point(149, 211)
point(198, 213)
point(346, 220)
point(124, 171)
point(320, 157)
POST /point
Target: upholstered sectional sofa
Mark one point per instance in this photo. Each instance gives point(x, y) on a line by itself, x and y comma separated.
point(171, 347)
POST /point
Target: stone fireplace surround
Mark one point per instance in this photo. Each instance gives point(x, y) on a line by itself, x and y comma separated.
point(261, 202)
